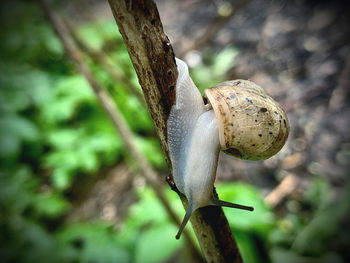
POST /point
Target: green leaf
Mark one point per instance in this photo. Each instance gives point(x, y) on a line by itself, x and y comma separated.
point(261, 219)
point(64, 139)
point(80, 150)
point(91, 34)
point(61, 178)
point(17, 188)
point(88, 161)
point(69, 93)
point(108, 30)
point(318, 194)
point(224, 61)
point(51, 205)
point(314, 236)
point(35, 243)
point(10, 145)
point(67, 160)
point(93, 242)
point(147, 211)
point(157, 244)
point(203, 78)
point(150, 148)
point(19, 126)
point(247, 246)
point(22, 86)
point(50, 40)
point(13, 130)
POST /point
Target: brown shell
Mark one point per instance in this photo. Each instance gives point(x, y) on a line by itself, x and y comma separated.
point(252, 125)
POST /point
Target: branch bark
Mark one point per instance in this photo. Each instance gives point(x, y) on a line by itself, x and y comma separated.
point(118, 121)
point(152, 57)
point(154, 62)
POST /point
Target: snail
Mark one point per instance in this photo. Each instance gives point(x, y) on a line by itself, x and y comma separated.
point(239, 118)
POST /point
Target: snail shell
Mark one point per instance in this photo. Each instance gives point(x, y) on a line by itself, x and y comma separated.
point(240, 119)
point(252, 126)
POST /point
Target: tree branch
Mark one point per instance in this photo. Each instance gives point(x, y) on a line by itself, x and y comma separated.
point(153, 59)
point(140, 26)
point(283, 189)
point(116, 117)
point(103, 60)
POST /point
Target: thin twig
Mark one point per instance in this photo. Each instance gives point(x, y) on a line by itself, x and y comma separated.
point(283, 189)
point(113, 112)
point(102, 59)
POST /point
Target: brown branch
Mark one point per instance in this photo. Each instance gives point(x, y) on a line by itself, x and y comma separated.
point(144, 39)
point(116, 117)
point(283, 189)
point(153, 59)
point(102, 59)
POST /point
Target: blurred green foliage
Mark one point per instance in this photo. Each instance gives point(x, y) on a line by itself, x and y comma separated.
point(52, 129)
point(214, 67)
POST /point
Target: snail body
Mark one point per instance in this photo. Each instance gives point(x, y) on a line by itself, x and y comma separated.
point(240, 119)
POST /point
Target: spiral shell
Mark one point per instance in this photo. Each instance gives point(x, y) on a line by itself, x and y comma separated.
point(252, 126)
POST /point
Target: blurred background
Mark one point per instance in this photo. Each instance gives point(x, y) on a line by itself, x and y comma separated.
point(70, 190)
